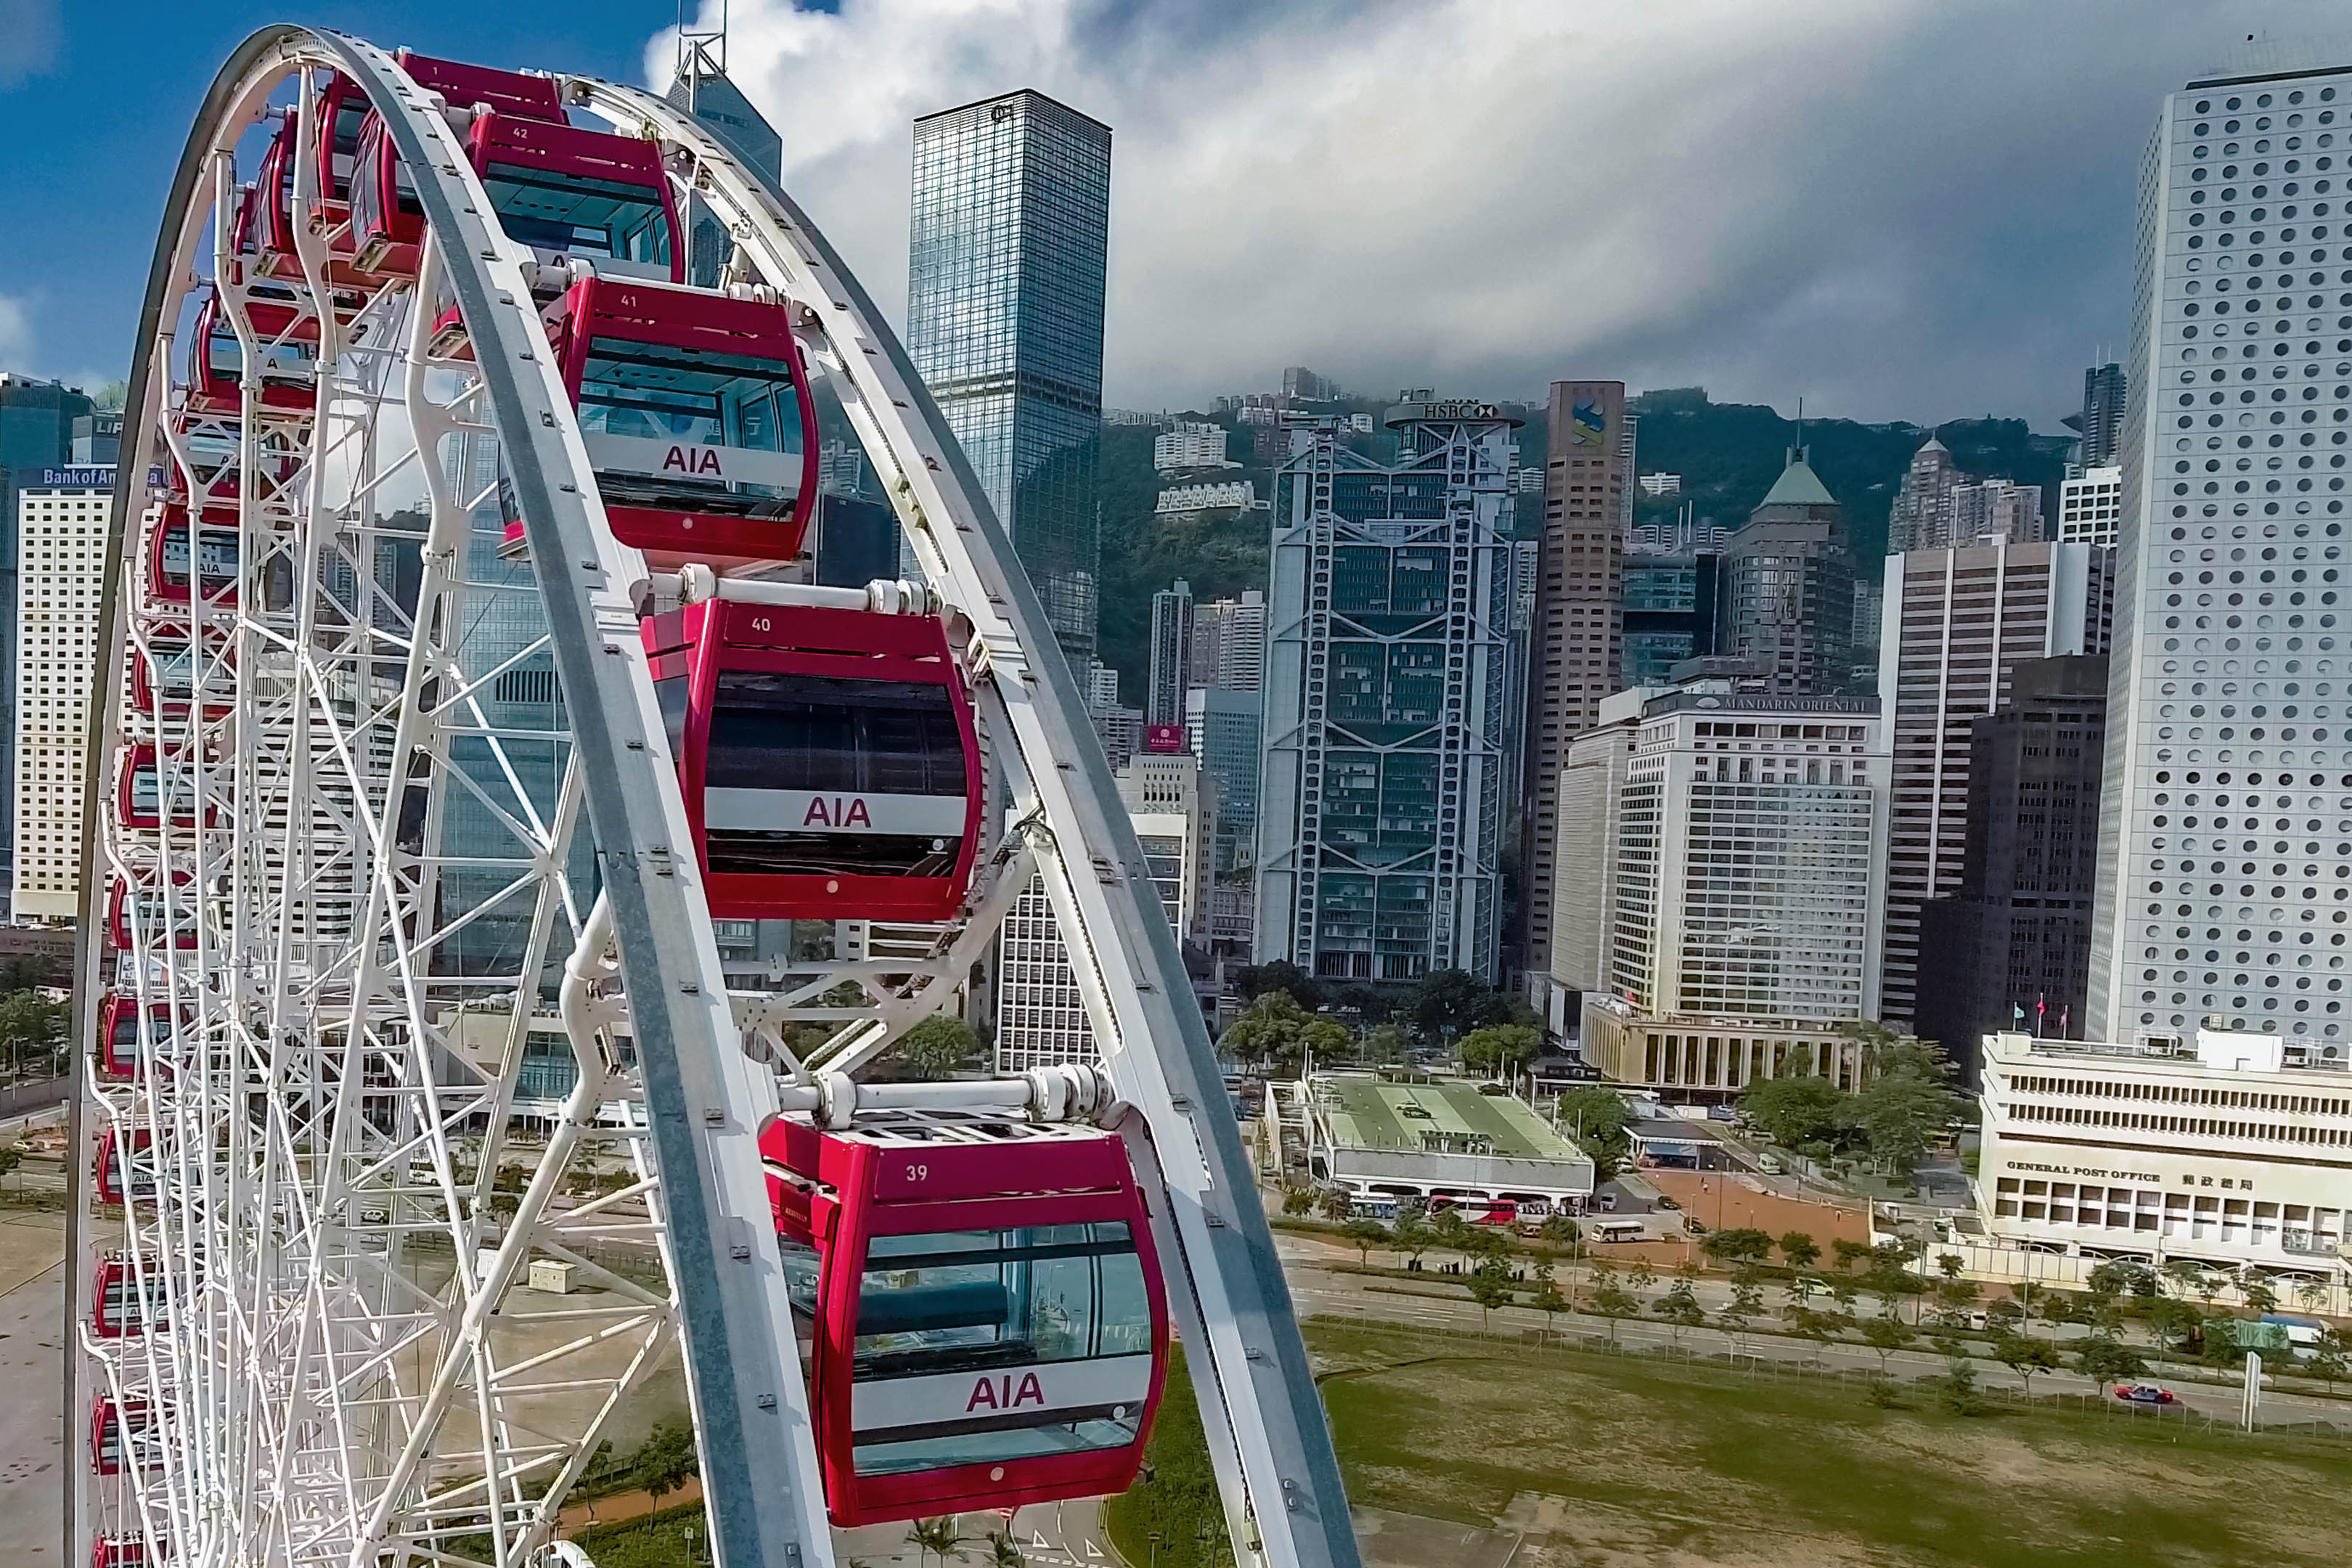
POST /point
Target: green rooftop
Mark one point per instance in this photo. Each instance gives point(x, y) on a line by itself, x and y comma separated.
point(1369, 1113)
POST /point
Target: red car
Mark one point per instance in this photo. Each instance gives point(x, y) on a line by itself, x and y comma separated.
point(2144, 1393)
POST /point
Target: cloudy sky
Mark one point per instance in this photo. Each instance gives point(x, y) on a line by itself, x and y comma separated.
point(1894, 210)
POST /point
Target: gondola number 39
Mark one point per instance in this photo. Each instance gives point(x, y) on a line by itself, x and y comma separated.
point(918, 1172)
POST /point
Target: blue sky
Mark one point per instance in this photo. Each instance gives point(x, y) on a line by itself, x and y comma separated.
point(1896, 210)
point(95, 105)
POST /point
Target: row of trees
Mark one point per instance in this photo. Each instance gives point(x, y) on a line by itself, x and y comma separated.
point(1906, 1100)
point(1292, 1016)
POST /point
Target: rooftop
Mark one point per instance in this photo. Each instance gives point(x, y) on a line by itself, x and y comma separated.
point(1370, 1113)
point(1798, 485)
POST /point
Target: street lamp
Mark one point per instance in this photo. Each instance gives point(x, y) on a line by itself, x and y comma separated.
point(1155, 1550)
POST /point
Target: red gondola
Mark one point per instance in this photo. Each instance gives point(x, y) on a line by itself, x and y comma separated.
point(121, 1303)
point(698, 419)
point(140, 786)
point(150, 912)
point(121, 1434)
point(216, 362)
point(105, 1168)
point(830, 762)
point(984, 1306)
point(117, 1552)
point(122, 1045)
point(216, 552)
point(164, 682)
point(462, 86)
point(566, 191)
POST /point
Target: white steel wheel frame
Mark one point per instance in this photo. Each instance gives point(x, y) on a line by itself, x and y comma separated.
point(314, 1403)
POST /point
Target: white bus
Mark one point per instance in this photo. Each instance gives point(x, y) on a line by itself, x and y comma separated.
point(1615, 1230)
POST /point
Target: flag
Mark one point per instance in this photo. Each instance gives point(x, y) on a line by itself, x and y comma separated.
point(2017, 1014)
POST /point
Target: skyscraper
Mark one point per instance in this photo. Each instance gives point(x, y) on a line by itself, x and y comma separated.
point(2229, 758)
point(1171, 654)
point(1750, 850)
point(700, 87)
point(2103, 411)
point(1223, 729)
point(2010, 946)
point(1229, 643)
point(1917, 519)
point(60, 569)
point(37, 432)
point(1004, 321)
point(1956, 623)
point(1381, 812)
point(1577, 650)
point(1789, 587)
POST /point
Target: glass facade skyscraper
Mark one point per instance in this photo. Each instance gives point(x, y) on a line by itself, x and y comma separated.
point(1381, 808)
point(1004, 320)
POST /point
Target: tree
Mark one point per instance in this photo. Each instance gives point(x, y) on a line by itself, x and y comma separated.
point(1800, 1252)
point(1366, 1234)
point(2222, 1350)
point(1489, 1244)
point(1899, 1114)
point(2182, 1274)
point(935, 1538)
point(2172, 1322)
point(1797, 1110)
point(2026, 1356)
point(1610, 1299)
point(32, 1031)
point(665, 1460)
point(10, 1158)
point(2117, 1277)
point(1450, 1003)
point(1451, 1231)
point(2326, 1361)
point(1335, 1204)
point(1599, 1118)
point(1558, 1230)
point(1490, 1287)
point(1277, 1031)
point(1385, 1046)
point(936, 1047)
point(1258, 980)
point(1642, 1276)
point(1003, 1552)
point(2105, 1361)
point(1806, 1323)
point(1500, 1049)
point(1955, 1299)
point(1298, 1201)
point(1887, 1334)
point(1948, 1265)
point(1848, 1253)
point(1956, 1390)
point(1738, 1243)
point(1548, 1299)
point(1679, 1306)
point(1410, 1234)
point(2259, 1295)
point(1740, 1314)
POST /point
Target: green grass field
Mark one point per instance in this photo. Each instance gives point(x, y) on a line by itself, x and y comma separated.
point(1665, 1463)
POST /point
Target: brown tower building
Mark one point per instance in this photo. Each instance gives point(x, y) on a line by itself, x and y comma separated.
point(1579, 622)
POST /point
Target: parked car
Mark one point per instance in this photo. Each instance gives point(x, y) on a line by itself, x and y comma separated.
point(1608, 1202)
point(1666, 1203)
point(2145, 1393)
point(1770, 1165)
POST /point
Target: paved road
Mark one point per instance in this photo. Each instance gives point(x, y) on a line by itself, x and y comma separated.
point(32, 1438)
point(1317, 1291)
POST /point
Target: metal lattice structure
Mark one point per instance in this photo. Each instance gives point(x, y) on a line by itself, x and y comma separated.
point(417, 829)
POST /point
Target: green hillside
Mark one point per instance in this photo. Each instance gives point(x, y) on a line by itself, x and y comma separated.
point(1727, 453)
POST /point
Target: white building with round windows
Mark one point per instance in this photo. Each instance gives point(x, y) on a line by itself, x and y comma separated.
point(2226, 852)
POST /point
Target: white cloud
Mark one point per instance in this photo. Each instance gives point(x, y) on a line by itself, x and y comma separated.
point(15, 332)
point(1895, 211)
point(29, 39)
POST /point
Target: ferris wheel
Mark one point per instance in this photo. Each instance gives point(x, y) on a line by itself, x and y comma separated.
point(464, 675)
